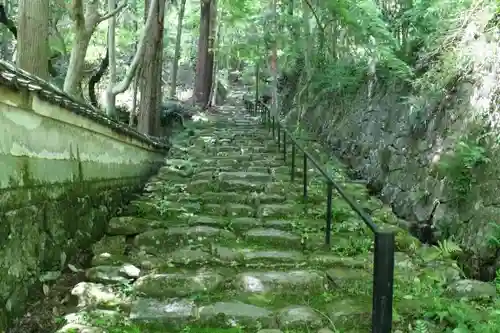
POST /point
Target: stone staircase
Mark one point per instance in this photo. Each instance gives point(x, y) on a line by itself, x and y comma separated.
point(220, 241)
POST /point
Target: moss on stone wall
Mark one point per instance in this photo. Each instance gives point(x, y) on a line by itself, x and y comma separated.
point(43, 225)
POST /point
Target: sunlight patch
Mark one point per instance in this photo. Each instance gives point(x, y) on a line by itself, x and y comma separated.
point(199, 117)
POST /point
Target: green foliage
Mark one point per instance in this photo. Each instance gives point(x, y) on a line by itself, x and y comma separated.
point(436, 312)
point(460, 166)
point(431, 21)
point(348, 76)
point(447, 248)
point(494, 239)
point(421, 326)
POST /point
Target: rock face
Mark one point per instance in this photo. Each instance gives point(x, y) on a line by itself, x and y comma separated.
point(247, 256)
point(414, 156)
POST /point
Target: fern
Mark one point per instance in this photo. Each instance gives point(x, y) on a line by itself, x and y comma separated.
point(494, 239)
point(421, 326)
point(448, 248)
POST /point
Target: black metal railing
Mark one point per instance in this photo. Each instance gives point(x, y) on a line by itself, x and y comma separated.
point(384, 248)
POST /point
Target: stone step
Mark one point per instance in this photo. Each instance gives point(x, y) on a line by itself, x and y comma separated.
point(238, 164)
point(181, 283)
point(223, 255)
point(167, 210)
point(242, 148)
point(162, 241)
point(261, 205)
point(274, 238)
point(177, 314)
point(241, 224)
point(159, 300)
point(252, 199)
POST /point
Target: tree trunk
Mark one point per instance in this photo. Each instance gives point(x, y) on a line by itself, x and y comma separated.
point(85, 18)
point(33, 37)
point(110, 97)
point(118, 88)
point(6, 34)
point(177, 54)
point(76, 64)
point(134, 112)
point(151, 70)
point(202, 90)
point(159, 66)
point(274, 62)
point(217, 61)
point(132, 119)
point(211, 52)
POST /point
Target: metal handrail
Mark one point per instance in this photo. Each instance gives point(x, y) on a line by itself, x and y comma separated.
point(383, 255)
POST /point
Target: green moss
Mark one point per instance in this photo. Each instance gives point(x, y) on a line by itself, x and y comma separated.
point(43, 221)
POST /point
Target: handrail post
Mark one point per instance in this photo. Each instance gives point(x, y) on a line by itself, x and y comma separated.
point(274, 123)
point(268, 115)
point(383, 280)
point(305, 178)
point(279, 136)
point(269, 124)
point(293, 162)
point(329, 198)
point(268, 120)
point(284, 146)
point(257, 79)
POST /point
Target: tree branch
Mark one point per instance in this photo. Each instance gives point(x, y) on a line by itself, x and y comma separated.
point(59, 36)
point(141, 47)
point(318, 21)
point(77, 13)
point(112, 13)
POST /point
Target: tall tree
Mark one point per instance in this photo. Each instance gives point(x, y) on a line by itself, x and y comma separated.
point(151, 71)
point(33, 37)
point(177, 54)
point(211, 49)
point(274, 59)
point(115, 88)
point(202, 88)
point(85, 20)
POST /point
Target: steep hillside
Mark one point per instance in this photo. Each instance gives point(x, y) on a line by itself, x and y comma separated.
point(428, 142)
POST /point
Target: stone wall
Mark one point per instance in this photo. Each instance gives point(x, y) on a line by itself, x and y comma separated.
point(401, 158)
point(400, 140)
point(62, 176)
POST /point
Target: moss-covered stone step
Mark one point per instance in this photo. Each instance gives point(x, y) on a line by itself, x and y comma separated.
point(155, 316)
point(243, 148)
point(222, 284)
point(242, 224)
point(180, 284)
point(251, 204)
point(162, 241)
point(132, 225)
point(177, 313)
point(274, 238)
point(214, 243)
point(238, 163)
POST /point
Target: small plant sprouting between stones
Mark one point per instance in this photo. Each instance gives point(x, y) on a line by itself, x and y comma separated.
point(460, 168)
point(447, 248)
